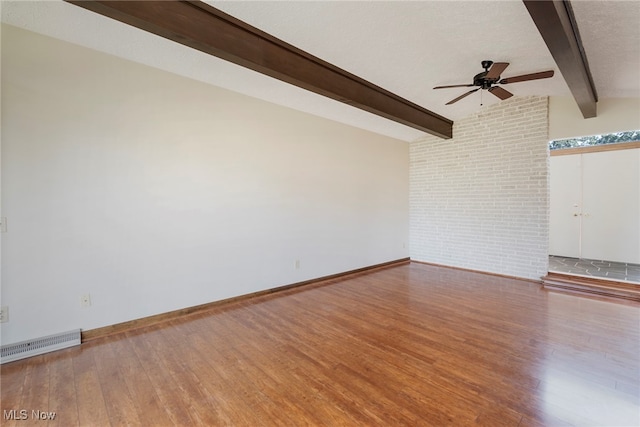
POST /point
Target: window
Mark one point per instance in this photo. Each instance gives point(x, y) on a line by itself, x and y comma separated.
point(586, 141)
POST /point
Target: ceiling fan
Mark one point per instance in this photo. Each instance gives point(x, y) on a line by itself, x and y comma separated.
point(491, 76)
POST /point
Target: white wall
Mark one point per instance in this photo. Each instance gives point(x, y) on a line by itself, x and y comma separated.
point(614, 115)
point(480, 200)
point(152, 192)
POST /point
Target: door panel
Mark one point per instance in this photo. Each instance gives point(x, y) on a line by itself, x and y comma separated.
point(565, 206)
point(611, 207)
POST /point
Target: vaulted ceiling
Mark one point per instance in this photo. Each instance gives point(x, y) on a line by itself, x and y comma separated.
point(404, 47)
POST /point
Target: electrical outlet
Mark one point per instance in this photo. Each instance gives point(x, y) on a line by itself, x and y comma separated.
point(297, 264)
point(4, 314)
point(85, 300)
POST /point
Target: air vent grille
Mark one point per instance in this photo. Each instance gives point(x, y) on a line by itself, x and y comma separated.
point(37, 346)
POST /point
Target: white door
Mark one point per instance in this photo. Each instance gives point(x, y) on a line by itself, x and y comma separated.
point(595, 206)
point(611, 207)
point(565, 206)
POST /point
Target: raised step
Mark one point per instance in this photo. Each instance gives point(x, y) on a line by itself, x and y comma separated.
point(592, 286)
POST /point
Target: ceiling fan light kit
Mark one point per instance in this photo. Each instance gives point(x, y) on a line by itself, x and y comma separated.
point(491, 76)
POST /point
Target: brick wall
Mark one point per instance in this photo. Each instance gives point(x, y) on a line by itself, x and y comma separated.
point(481, 199)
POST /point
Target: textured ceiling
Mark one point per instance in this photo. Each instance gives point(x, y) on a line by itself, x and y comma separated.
point(410, 47)
point(610, 32)
point(405, 47)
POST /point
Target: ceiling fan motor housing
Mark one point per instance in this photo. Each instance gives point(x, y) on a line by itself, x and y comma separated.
point(481, 80)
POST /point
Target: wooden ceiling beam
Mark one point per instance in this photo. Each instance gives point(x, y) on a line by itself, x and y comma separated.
point(556, 23)
point(197, 25)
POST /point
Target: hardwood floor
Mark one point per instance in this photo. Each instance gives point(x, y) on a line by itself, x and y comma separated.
point(408, 345)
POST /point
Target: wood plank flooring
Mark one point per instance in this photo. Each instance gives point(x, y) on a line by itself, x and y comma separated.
point(408, 345)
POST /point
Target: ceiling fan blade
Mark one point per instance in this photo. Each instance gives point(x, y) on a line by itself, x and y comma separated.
point(526, 77)
point(496, 69)
point(500, 93)
point(445, 87)
point(462, 96)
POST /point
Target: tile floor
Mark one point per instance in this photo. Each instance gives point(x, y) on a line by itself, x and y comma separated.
point(589, 267)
